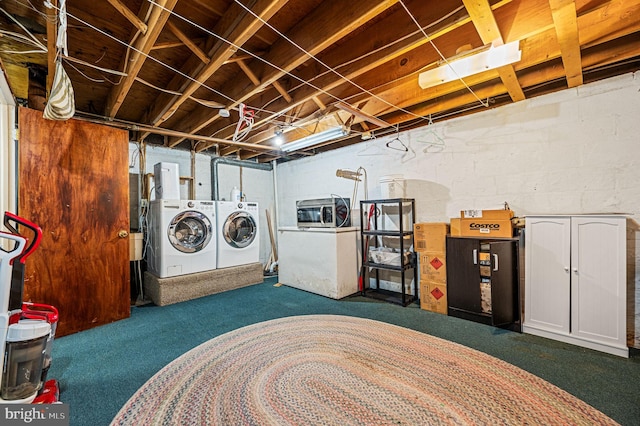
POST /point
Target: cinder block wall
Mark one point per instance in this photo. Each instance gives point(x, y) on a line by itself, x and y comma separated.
point(575, 151)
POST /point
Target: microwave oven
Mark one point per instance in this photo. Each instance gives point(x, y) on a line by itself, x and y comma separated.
point(323, 213)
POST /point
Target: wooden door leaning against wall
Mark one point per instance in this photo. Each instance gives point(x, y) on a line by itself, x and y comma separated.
point(74, 183)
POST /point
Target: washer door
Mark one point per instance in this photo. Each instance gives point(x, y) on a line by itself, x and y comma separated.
point(239, 229)
point(190, 231)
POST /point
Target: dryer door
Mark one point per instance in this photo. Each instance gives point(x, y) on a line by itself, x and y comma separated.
point(190, 231)
point(239, 229)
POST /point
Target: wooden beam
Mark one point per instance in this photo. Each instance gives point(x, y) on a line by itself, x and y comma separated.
point(282, 91)
point(487, 27)
point(236, 26)
point(256, 81)
point(361, 47)
point(52, 35)
point(157, 19)
point(566, 22)
point(127, 13)
point(363, 115)
point(319, 103)
point(254, 78)
point(187, 42)
point(313, 38)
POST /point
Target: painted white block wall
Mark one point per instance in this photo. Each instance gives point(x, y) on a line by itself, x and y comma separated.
point(574, 151)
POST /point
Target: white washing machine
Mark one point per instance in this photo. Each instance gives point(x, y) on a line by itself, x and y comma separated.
point(238, 233)
point(182, 237)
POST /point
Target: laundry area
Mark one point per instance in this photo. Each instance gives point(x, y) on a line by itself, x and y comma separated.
point(193, 247)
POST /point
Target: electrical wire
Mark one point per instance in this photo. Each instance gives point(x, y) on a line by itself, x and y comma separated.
point(371, 52)
point(333, 70)
point(278, 114)
point(280, 69)
point(130, 47)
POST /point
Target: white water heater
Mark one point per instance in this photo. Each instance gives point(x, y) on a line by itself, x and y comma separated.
point(167, 181)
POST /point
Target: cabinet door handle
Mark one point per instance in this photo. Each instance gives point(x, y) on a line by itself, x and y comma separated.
point(495, 262)
point(475, 256)
point(575, 270)
point(566, 269)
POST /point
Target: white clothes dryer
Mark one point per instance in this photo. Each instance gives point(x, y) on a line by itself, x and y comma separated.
point(238, 233)
point(181, 237)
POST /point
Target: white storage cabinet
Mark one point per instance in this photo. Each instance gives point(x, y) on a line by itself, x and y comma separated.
point(575, 280)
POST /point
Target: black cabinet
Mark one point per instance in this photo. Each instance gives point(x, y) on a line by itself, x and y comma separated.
point(387, 245)
point(482, 280)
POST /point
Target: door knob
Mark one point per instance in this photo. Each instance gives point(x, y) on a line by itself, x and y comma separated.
point(123, 234)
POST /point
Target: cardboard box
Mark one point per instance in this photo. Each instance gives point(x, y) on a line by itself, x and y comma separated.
point(487, 214)
point(433, 267)
point(454, 227)
point(486, 228)
point(433, 297)
point(430, 236)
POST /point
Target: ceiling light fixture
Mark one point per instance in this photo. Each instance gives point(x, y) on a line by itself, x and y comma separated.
point(315, 139)
point(487, 59)
point(279, 139)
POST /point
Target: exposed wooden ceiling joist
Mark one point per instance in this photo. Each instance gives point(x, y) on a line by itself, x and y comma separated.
point(489, 32)
point(566, 22)
point(305, 60)
point(142, 46)
point(236, 27)
point(323, 27)
point(127, 13)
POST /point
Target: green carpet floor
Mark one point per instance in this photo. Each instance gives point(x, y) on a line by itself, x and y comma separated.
point(99, 369)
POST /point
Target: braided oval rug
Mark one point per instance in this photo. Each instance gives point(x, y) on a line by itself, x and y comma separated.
point(339, 370)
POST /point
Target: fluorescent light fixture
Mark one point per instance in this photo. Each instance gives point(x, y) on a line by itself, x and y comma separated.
point(315, 139)
point(491, 58)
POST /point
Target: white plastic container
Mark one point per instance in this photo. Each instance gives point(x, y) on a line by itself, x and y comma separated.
point(236, 195)
point(167, 181)
point(392, 186)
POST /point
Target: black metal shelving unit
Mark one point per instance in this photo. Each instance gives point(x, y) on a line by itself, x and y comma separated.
point(403, 233)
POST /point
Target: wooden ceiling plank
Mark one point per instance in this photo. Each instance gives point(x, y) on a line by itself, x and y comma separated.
point(487, 26)
point(188, 42)
point(620, 16)
point(537, 49)
point(236, 26)
point(367, 62)
point(566, 22)
point(317, 31)
point(157, 19)
point(127, 13)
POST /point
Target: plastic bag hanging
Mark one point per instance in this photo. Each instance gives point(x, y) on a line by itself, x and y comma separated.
point(61, 104)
